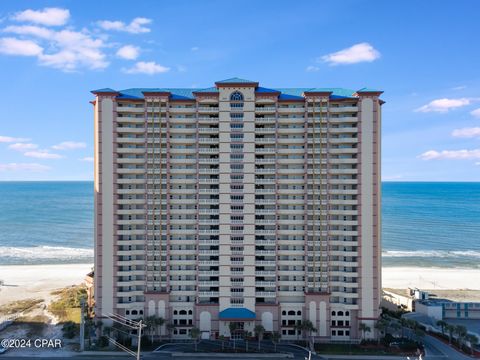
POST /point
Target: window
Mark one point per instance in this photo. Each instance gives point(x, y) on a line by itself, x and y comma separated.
point(236, 96)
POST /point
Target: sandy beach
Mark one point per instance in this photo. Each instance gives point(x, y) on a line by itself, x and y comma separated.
point(38, 281)
point(431, 278)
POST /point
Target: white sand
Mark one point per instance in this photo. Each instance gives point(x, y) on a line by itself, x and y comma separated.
point(431, 278)
point(38, 281)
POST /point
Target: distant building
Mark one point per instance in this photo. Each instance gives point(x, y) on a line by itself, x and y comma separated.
point(239, 203)
point(436, 304)
point(442, 309)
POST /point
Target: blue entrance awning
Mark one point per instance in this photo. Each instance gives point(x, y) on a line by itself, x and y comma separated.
point(236, 314)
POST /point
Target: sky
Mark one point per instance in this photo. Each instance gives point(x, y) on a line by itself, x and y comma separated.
point(424, 55)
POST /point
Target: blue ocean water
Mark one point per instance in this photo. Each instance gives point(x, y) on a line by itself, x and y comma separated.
point(424, 224)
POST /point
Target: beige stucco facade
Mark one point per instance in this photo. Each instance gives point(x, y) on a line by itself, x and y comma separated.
point(239, 197)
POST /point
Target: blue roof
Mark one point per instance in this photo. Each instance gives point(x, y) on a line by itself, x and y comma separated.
point(236, 313)
point(369, 90)
point(104, 90)
point(260, 89)
point(236, 80)
point(188, 93)
point(210, 89)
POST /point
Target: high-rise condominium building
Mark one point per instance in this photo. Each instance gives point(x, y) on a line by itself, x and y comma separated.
point(239, 203)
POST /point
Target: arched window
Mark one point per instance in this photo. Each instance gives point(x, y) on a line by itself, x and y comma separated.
point(291, 312)
point(340, 313)
point(299, 313)
point(236, 96)
point(175, 312)
point(333, 313)
point(190, 312)
point(284, 312)
point(183, 312)
point(236, 100)
point(347, 313)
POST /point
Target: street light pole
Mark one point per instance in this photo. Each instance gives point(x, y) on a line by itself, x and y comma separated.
point(82, 324)
point(140, 326)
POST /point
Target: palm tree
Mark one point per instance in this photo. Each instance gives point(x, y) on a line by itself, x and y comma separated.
point(461, 334)
point(259, 330)
point(275, 338)
point(232, 326)
point(381, 326)
point(107, 330)
point(395, 326)
point(98, 327)
point(451, 330)
point(472, 340)
point(308, 327)
point(299, 328)
point(403, 324)
point(170, 328)
point(364, 328)
point(159, 322)
point(195, 335)
point(442, 325)
point(150, 323)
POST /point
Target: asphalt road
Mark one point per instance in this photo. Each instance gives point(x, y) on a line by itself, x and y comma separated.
point(435, 350)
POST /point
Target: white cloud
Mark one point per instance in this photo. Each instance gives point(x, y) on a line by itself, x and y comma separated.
point(450, 155)
point(9, 139)
point(87, 158)
point(149, 68)
point(75, 49)
point(444, 105)
point(312, 68)
point(195, 48)
point(461, 87)
point(22, 146)
point(181, 68)
point(467, 132)
point(33, 30)
point(42, 154)
point(23, 167)
point(69, 145)
point(136, 26)
point(46, 16)
point(128, 52)
point(13, 46)
point(475, 113)
point(362, 52)
point(71, 49)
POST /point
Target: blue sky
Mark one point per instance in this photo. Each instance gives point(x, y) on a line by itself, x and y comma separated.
point(424, 55)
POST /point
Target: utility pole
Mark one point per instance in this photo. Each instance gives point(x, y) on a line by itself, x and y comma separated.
point(135, 325)
point(82, 324)
point(140, 326)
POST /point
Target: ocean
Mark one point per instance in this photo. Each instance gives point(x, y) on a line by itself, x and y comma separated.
point(424, 224)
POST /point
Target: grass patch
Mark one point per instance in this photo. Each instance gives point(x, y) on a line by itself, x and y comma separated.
point(35, 324)
point(67, 306)
point(19, 306)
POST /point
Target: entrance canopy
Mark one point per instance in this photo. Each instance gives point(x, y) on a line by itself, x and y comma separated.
point(236, 314)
